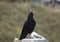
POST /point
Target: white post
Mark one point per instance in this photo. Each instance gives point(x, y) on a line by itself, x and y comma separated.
point(16, 40)
point(34, 38)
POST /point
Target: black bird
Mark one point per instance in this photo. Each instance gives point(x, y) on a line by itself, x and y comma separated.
point(28, 26)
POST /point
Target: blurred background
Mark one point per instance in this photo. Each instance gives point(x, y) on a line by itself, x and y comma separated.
point(13, 14)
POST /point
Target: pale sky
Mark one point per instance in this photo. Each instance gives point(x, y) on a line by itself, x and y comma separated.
point(49, 0)
point(58, 0)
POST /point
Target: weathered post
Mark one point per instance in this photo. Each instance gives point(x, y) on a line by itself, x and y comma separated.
point(34, 38)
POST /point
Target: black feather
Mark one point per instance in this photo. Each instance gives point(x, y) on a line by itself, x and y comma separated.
point(28, 26)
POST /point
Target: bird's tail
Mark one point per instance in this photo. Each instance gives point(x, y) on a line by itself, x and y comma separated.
point(23, 35)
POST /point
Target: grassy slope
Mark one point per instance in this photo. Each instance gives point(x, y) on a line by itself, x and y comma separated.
point(13, 16)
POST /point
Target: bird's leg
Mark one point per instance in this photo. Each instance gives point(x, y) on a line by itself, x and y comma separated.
point(28, 36)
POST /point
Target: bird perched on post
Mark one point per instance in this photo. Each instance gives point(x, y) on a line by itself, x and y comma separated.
point(28, 27)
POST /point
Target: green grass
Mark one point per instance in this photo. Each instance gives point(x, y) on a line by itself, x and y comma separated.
point(13, 16)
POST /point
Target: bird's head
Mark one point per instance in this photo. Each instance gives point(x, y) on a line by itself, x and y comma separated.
point(32, 12)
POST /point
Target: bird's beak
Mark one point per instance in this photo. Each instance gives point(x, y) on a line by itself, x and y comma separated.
point(33, 11)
